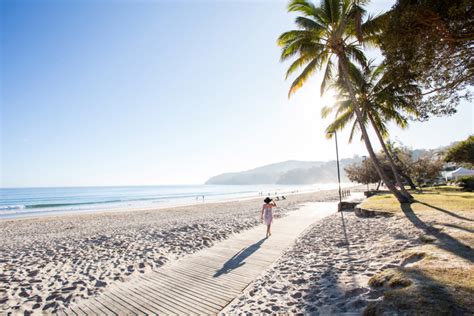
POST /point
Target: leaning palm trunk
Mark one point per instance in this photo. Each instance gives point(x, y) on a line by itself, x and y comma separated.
point(400, 172)
point(390, 159)
point(378, 185)
point(409, 181)
point(402, 198)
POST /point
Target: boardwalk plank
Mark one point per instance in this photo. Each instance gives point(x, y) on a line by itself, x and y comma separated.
point(207, 281)
point(86, 310)
point(101, 310)
point(113, 302)
point(205, 284)
point(186, 294)
point(215, 284)
point(112, 307)
point(208, 295)
point(227, 279)
point(176, 301)
point(239, 273)
point(76, 311)
point(142, 301)
point(142, 287)
point(132, 301)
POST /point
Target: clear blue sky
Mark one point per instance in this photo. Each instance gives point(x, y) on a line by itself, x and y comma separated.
point(152, 92)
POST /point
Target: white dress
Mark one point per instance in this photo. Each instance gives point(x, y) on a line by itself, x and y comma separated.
point(267, 215)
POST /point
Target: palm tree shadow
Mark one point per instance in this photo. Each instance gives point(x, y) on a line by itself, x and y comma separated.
point(446, 241)
point(446, 211)
point(344, 230)
point(331, 288)
point(459, 227)
point(238, 259)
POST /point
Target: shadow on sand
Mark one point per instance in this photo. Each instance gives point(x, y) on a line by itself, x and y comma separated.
point(238, 259)
point(332, 288)
point(446, 241)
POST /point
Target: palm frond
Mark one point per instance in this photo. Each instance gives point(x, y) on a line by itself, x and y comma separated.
point(332, 9)
point(372, 28)
point(328, 75)
point(297, 64)
point(308, 23)
point(326, 110)
point(295, 41)
point(301, 79)
point(305, 7)
point(356, 54)
point(339, 123)
point(357, 13)
point(354, 130)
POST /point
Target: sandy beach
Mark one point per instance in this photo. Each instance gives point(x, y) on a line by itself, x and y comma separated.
point(380, 263)
point(49, 262)
point(328, 268)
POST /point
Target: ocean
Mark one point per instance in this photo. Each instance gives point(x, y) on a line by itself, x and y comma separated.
point(26, 202)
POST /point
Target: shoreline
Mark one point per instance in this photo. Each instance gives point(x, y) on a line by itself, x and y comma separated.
point(49, 262)
point(156, 208)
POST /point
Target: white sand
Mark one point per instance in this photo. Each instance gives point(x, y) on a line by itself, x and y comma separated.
point(48, 262)
point(323, 274)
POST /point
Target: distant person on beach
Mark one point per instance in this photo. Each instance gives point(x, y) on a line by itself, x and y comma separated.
point(267, 214)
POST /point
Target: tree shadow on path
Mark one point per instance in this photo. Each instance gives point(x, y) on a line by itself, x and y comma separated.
point(238, 259)
point(445, 241)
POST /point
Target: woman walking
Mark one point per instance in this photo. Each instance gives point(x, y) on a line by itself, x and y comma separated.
point(267, 214)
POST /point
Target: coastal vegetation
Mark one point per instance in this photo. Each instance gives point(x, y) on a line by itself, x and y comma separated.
point(381, 102)
point(444, 197)
point(435, 277)
point(429, 43)
point(462, 152)
point(414, 81)
point(418, 168)
point(426, 71)
point(332, 35)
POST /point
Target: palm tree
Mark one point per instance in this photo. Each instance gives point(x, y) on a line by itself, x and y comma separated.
point(380, 102)
point(330, 35)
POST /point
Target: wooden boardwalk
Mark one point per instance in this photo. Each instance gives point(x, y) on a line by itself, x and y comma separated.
point(207, 281)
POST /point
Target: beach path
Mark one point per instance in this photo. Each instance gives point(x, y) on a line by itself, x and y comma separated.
point(207, 281)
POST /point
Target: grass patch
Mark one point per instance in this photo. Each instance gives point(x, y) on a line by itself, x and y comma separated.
point(437, 277)
point(414, 291)
point(460, 279)
point(390, 278)
point(430, 199)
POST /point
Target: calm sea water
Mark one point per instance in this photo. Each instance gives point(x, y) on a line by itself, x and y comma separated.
point(20, 202)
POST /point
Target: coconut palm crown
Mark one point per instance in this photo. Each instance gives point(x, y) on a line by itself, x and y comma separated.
point(378, 98)
point(328, 31)
point(331, 36)
point(381, 102)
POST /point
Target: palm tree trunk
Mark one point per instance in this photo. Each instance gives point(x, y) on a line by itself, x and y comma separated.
point(390, 159)
point(400, 170)
point(378, 185)
point(409, 180)
point(365, 136)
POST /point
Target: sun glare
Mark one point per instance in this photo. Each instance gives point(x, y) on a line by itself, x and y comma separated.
point(329, 98)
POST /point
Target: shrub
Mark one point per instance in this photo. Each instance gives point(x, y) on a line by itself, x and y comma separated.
point(467, 183)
